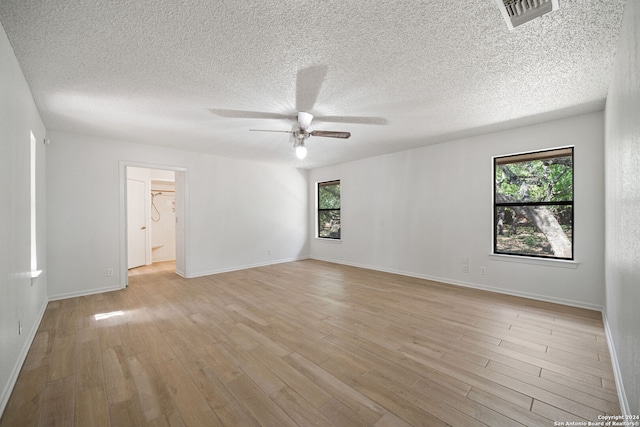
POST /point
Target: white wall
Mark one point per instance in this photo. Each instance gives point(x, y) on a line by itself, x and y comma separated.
point(419, 212)
point(622, 261)
point(238, 211)
point(19, 298)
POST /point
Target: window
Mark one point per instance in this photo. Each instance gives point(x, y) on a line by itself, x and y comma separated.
point(329, 210)
point(32, 189)
point(533, 204)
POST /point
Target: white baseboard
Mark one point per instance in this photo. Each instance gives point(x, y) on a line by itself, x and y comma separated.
point(8, 389)
point(84, 293)
point(537, 297)
point(242, 267)
point(617, 374)
point(447, 281)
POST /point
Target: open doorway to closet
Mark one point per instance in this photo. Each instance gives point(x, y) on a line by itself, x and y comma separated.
point(151, 216)
point(153, 210)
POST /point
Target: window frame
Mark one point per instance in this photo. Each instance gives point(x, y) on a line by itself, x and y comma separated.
point(34, 272)
point(521, 157)
point(319, 209)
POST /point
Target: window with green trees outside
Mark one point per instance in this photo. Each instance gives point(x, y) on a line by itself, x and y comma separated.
point(329, 210)
point(533, 204)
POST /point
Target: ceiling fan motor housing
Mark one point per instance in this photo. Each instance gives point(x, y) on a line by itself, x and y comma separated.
point(301, 135)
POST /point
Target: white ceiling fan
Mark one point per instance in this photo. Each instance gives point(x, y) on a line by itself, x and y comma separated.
point(308, 83)
point(303, 132)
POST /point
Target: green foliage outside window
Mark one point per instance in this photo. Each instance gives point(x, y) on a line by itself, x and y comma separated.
point(329, 210)
point(533, 204)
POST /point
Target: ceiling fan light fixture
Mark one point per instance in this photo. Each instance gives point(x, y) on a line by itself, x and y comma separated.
point(304, 120)
point(301, 151)
point(299, 137)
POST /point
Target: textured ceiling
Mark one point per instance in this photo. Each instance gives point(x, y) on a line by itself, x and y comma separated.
point(197, 75)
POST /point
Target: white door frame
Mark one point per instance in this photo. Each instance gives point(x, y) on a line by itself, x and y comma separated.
point(182, 217)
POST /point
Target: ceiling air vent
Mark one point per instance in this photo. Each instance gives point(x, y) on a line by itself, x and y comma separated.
point(517, 12)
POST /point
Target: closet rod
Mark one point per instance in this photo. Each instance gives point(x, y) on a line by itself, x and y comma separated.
point(163, 191)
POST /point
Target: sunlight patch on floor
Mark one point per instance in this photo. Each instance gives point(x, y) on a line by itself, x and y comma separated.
point(103, 316)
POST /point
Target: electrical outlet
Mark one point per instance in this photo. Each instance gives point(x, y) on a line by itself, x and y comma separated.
point(465, 268)
point(483, 270)
point(109, 271)
point(465, 260)
point(268, 251)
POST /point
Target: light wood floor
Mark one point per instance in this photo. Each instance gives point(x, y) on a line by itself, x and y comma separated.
point(310, 343)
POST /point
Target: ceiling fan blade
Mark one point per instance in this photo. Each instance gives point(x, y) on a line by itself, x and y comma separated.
point(364, 120)
point(308, 84)
point(270, 130)
point(242, 114)
point(304, 120)
point(330, 134)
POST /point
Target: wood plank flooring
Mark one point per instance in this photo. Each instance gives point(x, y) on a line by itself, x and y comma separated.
point(310, 343)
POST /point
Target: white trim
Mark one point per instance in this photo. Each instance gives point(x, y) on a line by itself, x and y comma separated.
point(617, 373)
point(122, 216)
point(326, 239)
point(33, 207)
point(35, 274)
point(540, 150)
point(549, 262)
point(22, 357)
point(446, 281)
point(84, 293)
point(242, 267)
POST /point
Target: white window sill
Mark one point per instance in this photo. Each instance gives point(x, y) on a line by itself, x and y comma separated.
point(561, 263)
point(324, 239)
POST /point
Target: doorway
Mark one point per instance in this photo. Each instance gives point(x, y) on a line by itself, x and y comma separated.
point(151, 216)
point(153, 209)
point(163, 218)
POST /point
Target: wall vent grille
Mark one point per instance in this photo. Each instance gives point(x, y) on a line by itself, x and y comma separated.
point(517, 12)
